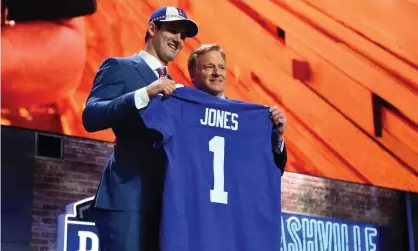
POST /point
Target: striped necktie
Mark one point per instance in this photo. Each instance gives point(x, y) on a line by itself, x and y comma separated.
point(162, 72)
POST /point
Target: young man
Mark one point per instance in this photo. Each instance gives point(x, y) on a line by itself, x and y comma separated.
point(128, 200)
point(207, 70)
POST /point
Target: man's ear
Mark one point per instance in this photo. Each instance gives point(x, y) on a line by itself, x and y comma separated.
point(152, 28)
point(192, 79)
point(191, 74)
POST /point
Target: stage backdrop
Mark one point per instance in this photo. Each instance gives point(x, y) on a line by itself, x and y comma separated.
point(345, 73)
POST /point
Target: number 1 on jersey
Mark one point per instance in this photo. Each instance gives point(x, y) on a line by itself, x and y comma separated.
point(218, 194)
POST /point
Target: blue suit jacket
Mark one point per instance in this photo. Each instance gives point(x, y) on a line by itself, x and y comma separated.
point(134, 175)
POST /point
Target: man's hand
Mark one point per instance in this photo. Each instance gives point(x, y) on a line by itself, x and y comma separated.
point(278, 118)
point(164, 86)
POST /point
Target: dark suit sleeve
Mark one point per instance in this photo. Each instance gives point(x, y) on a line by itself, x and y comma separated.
point(279, 158)
point(107, 106)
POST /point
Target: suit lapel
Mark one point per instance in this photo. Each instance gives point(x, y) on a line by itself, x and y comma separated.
point(143, 69)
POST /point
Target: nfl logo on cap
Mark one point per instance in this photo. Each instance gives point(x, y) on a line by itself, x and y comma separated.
point(172, 14)
point(181, 12)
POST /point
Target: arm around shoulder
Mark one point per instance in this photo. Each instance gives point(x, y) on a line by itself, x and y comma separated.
point(107, 105)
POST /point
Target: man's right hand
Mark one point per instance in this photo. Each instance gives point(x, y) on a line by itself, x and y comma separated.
point(164, 86)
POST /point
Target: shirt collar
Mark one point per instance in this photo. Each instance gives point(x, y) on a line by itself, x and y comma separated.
point(151, 61)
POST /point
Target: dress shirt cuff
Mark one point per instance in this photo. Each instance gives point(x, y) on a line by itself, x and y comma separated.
point(141, 98)
point(281, 145)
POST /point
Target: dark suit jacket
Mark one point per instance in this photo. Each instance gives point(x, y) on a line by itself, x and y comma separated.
point(133, 178)
point(279, 158)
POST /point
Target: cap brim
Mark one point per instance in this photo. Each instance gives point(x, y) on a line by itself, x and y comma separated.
point(191, 27)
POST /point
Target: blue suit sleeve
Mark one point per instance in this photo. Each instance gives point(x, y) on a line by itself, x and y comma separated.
point(158, 116)
point(107, 105)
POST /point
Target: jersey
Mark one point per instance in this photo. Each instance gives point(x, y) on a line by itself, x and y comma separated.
point(222, 187)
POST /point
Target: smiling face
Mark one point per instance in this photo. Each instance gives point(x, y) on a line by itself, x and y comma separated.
point(167, 41)
point(209, 73)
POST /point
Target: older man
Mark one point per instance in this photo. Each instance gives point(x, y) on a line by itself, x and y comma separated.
point(207, 70)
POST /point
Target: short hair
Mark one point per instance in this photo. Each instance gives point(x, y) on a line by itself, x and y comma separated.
point(157, 24)
point(203, 49)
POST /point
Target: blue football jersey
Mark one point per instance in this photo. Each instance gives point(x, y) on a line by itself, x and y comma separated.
point(222, 187)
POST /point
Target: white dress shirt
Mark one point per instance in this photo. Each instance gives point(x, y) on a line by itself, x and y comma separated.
point(141, 96)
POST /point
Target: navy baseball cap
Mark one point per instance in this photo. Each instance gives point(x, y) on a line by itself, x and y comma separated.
point(170, 14)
